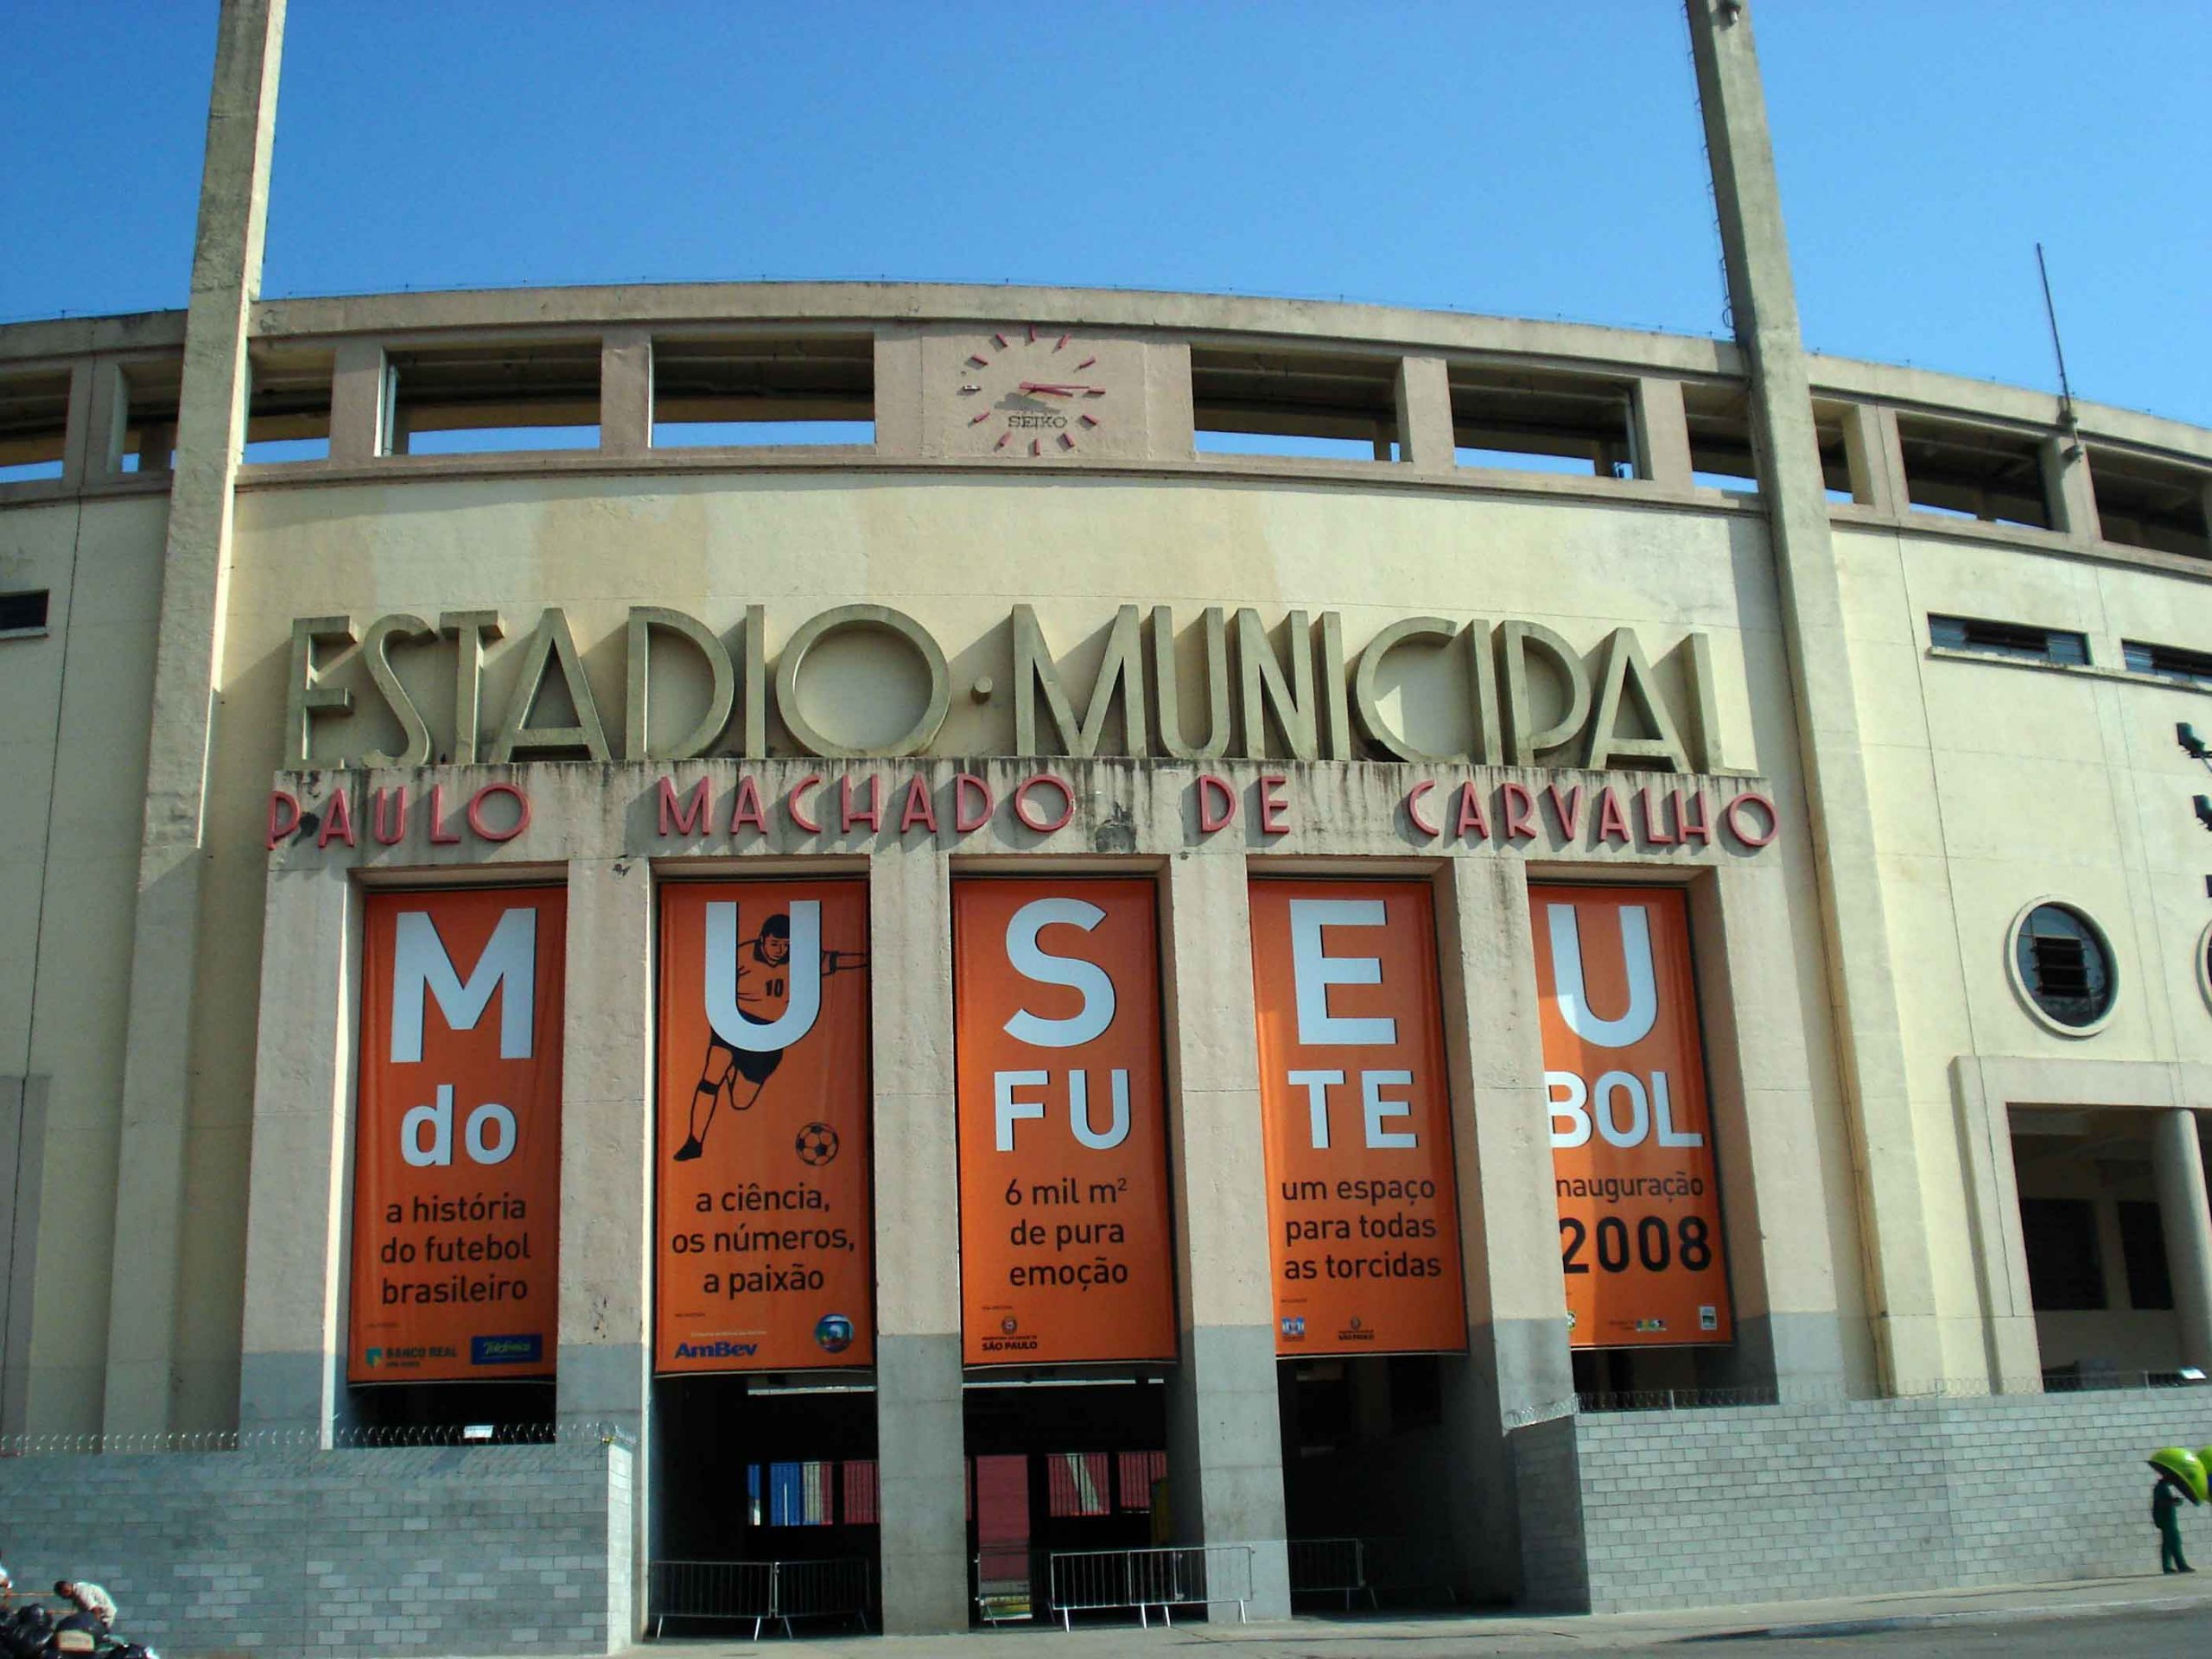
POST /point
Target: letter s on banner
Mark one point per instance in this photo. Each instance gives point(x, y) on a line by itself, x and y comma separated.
point(456, 1270)
point(1639, 1200)
point(1063, 1123)
point(1363, 1212)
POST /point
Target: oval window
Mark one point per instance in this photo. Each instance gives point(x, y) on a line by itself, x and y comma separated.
point(2064, 965)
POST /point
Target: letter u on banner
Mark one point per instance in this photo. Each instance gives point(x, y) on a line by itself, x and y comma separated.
point(1639, 1203)
point(457, 1137)
point(766, 1250)
point(1064, 1252)
point(1362, 1207)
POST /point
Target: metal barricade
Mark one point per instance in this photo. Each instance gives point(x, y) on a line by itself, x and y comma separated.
point(1005, 1584)
point(733, 1590)
point(1330, 1566)
point(760, 1591)
point(1175, 1575)
point(826, 1589)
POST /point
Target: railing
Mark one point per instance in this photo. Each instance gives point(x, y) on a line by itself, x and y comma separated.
point(347, 1439)
point(1005, 1584)
point(760, 1590)
point(1330, 1566)
point(1815, 1393)
point(1168, 1577)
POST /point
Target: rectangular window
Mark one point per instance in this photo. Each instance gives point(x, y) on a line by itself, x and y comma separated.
point(2168, 662)
point(2144, 501)
point(287, 411)
point(1963, 471)
point(34, 419)
point(1075, 1484)
point(1136, 1474)
point(753, 391)
point(1513, 420)
point(23, 616)
point(1295, 404)
point(860, 1504)
point(493, 398)
point(2143, 1251)
point(802, 1494)
point(2020, 640)
point(2065, 1274)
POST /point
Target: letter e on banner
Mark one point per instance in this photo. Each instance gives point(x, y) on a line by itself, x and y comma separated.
point(1632, 1158)
point(766, 1226)
point(1362, 1207)
point(457, 1149)
point(1063, 1222)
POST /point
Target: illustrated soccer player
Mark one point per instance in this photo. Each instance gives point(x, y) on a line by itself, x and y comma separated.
point(763, 988)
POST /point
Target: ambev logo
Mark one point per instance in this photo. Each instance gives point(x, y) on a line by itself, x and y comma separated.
point(716, 1350)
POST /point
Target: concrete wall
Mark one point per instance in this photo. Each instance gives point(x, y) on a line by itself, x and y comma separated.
point(1998, 783)
point(72, 757)
point(477, 1550)
point(1764, 1503)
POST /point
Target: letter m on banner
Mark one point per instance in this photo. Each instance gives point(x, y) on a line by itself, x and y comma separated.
point(421, 970)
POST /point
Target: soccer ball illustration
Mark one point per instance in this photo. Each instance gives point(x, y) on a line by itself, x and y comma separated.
point(817, 1144)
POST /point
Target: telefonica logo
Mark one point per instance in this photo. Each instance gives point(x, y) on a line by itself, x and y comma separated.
point(505, 1350)
point(716, 1350)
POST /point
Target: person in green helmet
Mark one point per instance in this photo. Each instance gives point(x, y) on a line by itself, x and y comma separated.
point(2165, 1504)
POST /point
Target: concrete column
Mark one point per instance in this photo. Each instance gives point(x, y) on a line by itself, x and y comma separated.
point(1876, 458)
point(920, 1458)
point(2177, 1163)
point(607, 1172)
point(297, 1223)
point(1224, 1437)
point(1767, 1146)
point(1171, 418)
point(2066, 488)
point(900, 394)
point(1508, 1214)
point(79, 444)
point(1425, 440)
point(1985, 1127)
point(106, 420)
point(357, 403)
point(1662, 433)
point(22, 1163)
point(1870, 1040)
point(188, 665)
point(626, 392)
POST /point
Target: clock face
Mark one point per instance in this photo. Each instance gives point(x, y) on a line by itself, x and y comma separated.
point(1033, 391)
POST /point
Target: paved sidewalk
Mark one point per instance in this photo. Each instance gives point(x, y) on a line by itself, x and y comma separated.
point(1456, 1637)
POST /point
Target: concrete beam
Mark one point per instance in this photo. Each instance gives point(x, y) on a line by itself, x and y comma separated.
point(918, 1406)
point(294, 1343)
point(1225, 1441)
point(1425, 435)
point(187, 674)
point(1838, 791)
point(1518, 1359)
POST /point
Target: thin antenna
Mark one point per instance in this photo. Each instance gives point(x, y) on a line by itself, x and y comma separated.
point(2058, 348)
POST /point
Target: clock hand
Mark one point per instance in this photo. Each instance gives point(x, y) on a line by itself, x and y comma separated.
point(1055, 389)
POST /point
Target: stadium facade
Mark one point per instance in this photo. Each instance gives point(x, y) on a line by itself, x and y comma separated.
point(1581, 956)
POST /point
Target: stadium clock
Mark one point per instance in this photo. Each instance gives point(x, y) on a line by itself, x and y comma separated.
point(1029, 390)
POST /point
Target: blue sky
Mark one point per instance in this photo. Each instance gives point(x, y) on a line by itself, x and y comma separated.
point(1525, 160)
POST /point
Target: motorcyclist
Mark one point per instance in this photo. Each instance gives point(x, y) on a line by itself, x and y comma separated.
point(82, 1629)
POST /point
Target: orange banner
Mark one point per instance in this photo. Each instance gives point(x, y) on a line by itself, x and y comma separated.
point(1362, 1204)
point(767, 1227)
point(1639, 1206)
point(1065, 1251)
point(457, 1137)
